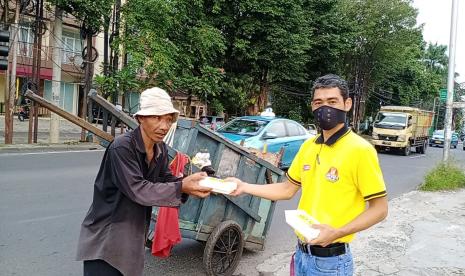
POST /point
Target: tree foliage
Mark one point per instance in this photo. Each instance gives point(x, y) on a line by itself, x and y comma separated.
point(239, 54)
point(175, 46)
point(91, 12)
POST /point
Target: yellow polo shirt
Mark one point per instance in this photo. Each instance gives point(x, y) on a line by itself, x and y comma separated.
point(337, 177)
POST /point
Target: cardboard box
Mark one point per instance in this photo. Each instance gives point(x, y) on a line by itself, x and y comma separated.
point(218, 185)
point(302, 222)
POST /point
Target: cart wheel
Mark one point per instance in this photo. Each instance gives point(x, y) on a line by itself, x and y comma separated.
point(148, 244)
point(223, 249)
point(150, 235)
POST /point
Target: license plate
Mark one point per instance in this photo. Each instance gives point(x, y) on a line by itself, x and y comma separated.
point(386, 143)
point(438, 142)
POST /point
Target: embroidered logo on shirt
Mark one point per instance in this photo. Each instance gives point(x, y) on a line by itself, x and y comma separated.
point(306, 167)
point(332, 175)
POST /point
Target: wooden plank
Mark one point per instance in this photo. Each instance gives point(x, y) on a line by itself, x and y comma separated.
point(190, 145)
point(68, 116)
point(199, 236)
point(255, 240)
point(269, 218)
point(219, 154)
point(106, 105)
point(249, 211)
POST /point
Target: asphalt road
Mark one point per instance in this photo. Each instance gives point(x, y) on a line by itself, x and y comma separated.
point(44, 197)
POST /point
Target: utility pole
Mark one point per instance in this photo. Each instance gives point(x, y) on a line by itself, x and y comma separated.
point(435, 121)
point(56, 75)
point(12, 86)
point(36, 64)
point(450, 81)
point(116, 35)
point(105, 46)
point(114, 97)
point(89, 71)
point(8, 126)
point(6, 37)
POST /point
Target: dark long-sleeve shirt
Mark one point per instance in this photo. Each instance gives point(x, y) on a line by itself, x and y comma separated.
point(125, 189)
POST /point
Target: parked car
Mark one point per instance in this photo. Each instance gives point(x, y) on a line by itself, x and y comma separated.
point(212, 122)
point(312, 129)
point(275, 133)
point(438, 139)
point(461, 133)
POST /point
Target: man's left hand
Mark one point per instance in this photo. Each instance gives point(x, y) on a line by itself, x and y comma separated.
point(327, 235)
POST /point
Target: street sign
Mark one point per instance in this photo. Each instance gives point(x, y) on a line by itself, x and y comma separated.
point(443, 94)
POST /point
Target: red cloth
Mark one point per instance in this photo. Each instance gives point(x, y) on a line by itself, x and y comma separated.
point(178, 164)
point(167, 232)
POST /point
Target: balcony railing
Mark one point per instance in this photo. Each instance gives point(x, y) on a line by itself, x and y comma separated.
point(25, 49)
point(71, 58)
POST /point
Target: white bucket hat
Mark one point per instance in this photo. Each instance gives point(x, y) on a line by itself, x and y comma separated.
point(155, 101)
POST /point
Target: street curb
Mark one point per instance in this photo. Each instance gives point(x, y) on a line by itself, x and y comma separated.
point(23, 148)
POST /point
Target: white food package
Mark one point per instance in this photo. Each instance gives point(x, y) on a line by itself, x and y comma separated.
point(302, 222)
point(218, 185)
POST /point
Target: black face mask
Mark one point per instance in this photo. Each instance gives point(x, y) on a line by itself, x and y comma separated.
point(329, 117)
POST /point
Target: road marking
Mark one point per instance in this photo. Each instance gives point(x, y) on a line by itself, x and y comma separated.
point(418, 156)
point(48, 152)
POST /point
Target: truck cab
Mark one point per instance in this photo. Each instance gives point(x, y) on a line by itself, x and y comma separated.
point(401, 128)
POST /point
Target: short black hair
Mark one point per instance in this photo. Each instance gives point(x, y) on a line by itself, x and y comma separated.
point(331, 81)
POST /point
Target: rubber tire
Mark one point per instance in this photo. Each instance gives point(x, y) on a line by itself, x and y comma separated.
point(148, 244)
point(210, 247)
point(421, 149)
point(406, 150)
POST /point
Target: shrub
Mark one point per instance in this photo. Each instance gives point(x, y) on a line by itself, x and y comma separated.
point(445, 176)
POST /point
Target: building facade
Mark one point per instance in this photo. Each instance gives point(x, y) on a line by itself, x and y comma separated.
point(72, 73)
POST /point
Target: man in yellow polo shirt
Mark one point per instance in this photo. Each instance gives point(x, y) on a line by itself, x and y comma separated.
point(342, 184)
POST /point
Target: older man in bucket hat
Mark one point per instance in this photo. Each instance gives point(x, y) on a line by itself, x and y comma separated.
point(133, 177)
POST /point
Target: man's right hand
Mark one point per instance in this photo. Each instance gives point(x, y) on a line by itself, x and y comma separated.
point(190, 185)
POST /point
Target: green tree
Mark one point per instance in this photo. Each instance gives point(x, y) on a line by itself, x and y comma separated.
point(235, 53)
point(265, 44)
point(91, 12)
point(329, 39)
point(385, 40)
point(175, 45)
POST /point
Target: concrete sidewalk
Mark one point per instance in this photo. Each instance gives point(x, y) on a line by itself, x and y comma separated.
point(424, 234)
point(70, 134)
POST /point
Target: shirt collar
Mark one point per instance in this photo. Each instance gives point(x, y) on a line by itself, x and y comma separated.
point(334, 138)
point(138, 140)
point(140, 146)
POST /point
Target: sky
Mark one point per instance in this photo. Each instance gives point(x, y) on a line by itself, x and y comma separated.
point(436, 17)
